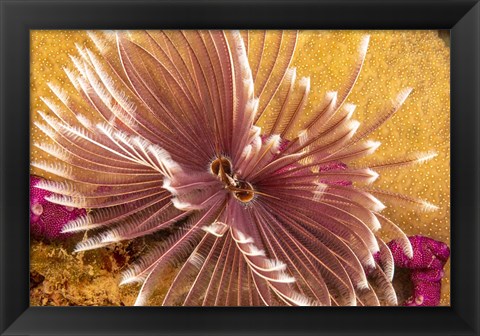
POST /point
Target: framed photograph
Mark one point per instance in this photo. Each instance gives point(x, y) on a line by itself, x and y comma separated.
point(239, 168)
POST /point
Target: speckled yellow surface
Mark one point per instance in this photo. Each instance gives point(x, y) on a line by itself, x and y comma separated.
point(395, 59)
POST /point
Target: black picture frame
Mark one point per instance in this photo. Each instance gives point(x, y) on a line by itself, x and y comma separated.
point(18, 17)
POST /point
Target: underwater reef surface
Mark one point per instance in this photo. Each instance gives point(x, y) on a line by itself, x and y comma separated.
point(419, 59)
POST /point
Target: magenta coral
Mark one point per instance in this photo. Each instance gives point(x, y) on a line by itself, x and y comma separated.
point(426, 266)
point(46, 218)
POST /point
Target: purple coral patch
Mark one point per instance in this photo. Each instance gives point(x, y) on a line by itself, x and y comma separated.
point(426, 268)
point(46, 218)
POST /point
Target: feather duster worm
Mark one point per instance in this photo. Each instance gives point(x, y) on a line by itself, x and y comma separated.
point(259, 215)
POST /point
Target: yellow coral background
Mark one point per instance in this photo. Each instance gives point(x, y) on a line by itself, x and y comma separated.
point(395, 59)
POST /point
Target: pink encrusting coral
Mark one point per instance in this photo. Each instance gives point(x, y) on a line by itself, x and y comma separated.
point(257, 214)
point(426, 268)
point(47, 219)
